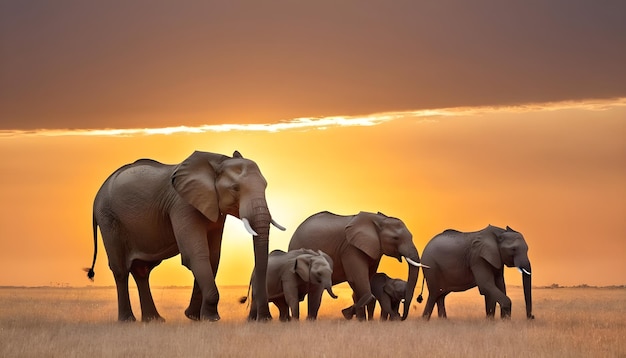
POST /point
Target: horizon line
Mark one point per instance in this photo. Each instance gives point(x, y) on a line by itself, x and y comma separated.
point(322, 123)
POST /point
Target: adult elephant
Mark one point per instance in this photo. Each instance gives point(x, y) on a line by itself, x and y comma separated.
point(389, 292)
point(148, 212)
point(356, 244)
point(461, 260)
point(292, 275)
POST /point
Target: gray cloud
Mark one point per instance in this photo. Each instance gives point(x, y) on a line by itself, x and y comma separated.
point(120, 64)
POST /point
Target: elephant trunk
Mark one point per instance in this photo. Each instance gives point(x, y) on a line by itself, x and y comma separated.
point(259, 222)
point(412, 258)
point(526, 280)
point(411, 282)
point(329, 289)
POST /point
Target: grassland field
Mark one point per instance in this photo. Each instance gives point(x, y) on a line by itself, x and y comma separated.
point(81, 322)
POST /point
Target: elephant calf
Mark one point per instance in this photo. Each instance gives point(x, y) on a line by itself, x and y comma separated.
point(292, 275)
point(389, 292)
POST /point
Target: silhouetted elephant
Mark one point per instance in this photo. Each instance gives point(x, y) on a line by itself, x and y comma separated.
point(148, 212)
point(459, 261)
point(356, 244)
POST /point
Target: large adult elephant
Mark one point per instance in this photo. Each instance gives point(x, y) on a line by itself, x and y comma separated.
point(461, 260)
point(292, 275)
point(148, 212)
point(356, 244)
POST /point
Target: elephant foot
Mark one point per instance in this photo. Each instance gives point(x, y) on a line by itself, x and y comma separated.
point(156, 318)
point(208, 313)
point(211, 318)
point(348, 313)
point(193, 310)
point(194, 316)
point(127, 318)
point(264, 318)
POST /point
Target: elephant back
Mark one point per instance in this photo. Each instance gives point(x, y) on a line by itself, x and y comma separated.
point(321, 231)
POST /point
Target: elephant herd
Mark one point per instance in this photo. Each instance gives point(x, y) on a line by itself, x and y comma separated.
point(148, 211)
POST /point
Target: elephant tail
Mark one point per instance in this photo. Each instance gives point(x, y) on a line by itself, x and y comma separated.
point(243, 299)
point(419, 298)
point(90, 272)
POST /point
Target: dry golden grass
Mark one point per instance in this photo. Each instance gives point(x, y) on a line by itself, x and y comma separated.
point(80, 322)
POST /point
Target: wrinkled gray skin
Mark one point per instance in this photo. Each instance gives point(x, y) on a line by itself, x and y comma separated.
point(148, 212)
point(389, 292)
point(292, 275)
point(356, 244)
point(459, 261)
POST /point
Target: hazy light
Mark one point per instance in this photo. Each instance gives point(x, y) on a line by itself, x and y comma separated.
point(321, 123)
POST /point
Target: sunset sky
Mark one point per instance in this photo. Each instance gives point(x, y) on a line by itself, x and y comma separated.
point(448, 114)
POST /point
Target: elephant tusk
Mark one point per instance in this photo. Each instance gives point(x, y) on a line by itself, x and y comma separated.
point(523, 270)
point(278, 226)
point(417, 264)
point(249, 229)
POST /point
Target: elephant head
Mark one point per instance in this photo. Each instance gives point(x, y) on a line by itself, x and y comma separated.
point(316, 268)
point(508, 247)
point(395, 289)
point(237, 186)
point(377, 235)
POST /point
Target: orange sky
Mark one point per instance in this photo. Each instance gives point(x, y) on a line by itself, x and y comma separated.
point(447, 114)
point(556, 175)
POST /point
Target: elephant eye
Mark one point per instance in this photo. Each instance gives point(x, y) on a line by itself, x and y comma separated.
point(235, 187)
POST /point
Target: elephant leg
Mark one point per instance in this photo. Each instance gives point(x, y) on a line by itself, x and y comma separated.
point(485, 280)
point(490, 306)
point(430, 302)
point(141, 273)
point(441, 305)
point(355, 264)
point(290, 292)
point(191, 237)
point(208, 288)
point(214, 240)
point(502, 287)
point(283, 309)
point(394, 314)
point(385, 307)
point(195, 303)
point(370, 310)
point(124, 311)
point(395, 306)
point(314, 300)
point(348, 312)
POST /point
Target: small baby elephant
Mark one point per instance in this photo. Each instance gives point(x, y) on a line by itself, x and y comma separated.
point(292, 275)
point(389, 292)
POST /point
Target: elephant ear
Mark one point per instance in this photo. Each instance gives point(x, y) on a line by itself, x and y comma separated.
point(302, 267)
point(326, 257)
point(389, 289)
point(194, 180)
point(362, 233)
point(486, 247)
